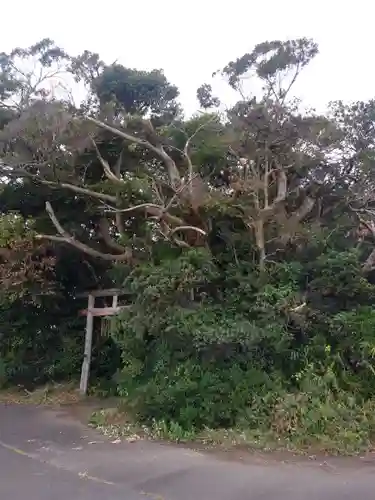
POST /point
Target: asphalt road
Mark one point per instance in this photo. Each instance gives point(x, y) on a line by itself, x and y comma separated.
point(47, 455)
point(24, 478)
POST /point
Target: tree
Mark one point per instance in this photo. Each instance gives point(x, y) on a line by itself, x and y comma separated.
point(46, 141)
point(27, 266)
point(27, 73)
point(176, 194)
point(245, 239)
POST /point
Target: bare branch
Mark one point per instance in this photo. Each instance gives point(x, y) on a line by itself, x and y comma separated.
point(119, 223)
point(281, 192)
point(118, 216)
point(177, 193)
point(180, 243)
point(265, 180)
point(20, 172)
point(50, 237)
point(369, 264)
point(290, 223)
point(104, 227)
point(365, 223)
point(68, 238)
point(150, 208)
point(117, 167)
point(304, 209)
point(173, 172)
point(157, 192)
point(107, 169)
point(135, 207)
point(272, 89)
point(281, 187)
point(186, 153)
point(188, 228)
point(80, 190)
point(293, 81)
point(259, 238)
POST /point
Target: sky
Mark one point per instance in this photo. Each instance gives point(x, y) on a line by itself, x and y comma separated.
point(190, 40)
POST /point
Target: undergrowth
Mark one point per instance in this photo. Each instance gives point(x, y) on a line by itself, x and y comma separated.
point(296, 424)
point(239, 361)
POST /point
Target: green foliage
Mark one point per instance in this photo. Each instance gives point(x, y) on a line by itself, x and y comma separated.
point(239, 357)
point(3, 374)
point(137, 92)
point(39, 342)
point(270, 60)
point(244, 241)
point(336, 423)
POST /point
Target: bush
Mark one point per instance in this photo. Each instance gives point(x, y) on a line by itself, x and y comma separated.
point(3, 374)
point(36, 347)
point(195, 395)
point(225, 348)
point(331, 421)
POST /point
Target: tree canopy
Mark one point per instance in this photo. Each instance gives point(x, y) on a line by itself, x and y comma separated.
point(246, 238)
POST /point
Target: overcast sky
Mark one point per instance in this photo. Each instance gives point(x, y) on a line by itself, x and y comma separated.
point(190, 40)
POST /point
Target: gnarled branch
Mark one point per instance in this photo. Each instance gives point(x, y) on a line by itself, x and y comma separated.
point(104, 228)
point(65, 237)
point(369, 264)
point(281, 192)
point(187, 228)
point(304, 209)
point(187, 156)
point(107, 169)
point(174, 175)
point(151, 209)
point(79, 190)
point(20, 172)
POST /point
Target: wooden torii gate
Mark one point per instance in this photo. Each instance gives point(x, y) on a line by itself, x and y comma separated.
point(91, 312)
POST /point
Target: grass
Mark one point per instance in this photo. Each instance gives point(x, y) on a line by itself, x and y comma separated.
point(112, 420)
point(48, 395)
point(307, 438)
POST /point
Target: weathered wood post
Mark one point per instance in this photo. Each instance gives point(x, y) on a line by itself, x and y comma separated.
point(85, 373)
point(92, 312)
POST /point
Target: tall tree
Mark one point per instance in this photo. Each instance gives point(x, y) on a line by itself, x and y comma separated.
point(142, 174)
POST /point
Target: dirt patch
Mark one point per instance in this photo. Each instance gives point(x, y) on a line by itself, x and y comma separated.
point(48, 395)
point(83, 409)
point(326, 462)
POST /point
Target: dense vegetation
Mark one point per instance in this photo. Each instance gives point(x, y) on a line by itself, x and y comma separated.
point(245, 239)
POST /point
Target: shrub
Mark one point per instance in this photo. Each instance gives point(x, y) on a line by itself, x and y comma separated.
point(235, 354)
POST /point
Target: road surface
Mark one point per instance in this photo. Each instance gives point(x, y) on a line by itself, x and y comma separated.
point(47, 455)
point(23, 478)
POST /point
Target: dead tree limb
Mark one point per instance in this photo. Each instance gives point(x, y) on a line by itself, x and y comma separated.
point(173, 173)
point(20, 172)
point(104, 228)
point(106, 168)
point(68, 238)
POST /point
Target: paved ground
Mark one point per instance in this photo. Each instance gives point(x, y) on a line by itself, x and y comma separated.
point(24, 478)
point(46, 455)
